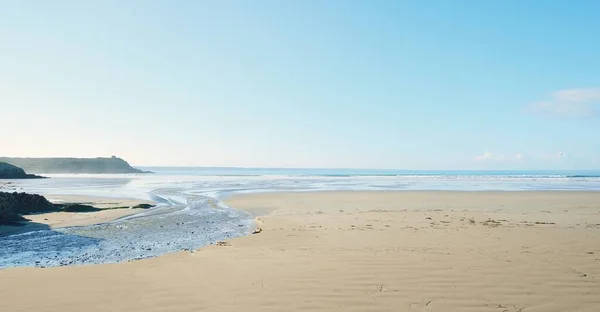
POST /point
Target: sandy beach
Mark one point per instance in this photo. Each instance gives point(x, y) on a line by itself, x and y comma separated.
point(356, 251)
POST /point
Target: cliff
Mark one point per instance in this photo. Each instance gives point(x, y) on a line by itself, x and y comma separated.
point(72, 165)
point(8, 171)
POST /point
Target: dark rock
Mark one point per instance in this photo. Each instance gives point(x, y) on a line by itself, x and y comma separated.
point(13, 205)
point(74, 207)
point(143, 206)
point(8, 171)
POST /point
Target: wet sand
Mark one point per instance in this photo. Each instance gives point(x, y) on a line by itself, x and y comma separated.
point(356, 251)
point(114, 208)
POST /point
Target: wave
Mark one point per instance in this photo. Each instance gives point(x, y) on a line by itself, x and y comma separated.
point(348, 173)
point(430, 176)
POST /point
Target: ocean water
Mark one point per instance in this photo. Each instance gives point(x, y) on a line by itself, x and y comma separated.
point(190, 213)
point(222, 181)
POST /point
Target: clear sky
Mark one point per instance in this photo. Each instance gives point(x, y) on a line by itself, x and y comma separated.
point(354, 84)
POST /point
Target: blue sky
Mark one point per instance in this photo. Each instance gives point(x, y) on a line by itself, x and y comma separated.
point(354, 84)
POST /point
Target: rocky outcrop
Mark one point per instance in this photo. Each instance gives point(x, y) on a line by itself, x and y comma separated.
point(72, 165)
point(75, 207)
point(13, 205)
point(8, 171)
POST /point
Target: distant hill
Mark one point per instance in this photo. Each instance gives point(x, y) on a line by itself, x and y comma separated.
point(8, 171)
point(72, 165)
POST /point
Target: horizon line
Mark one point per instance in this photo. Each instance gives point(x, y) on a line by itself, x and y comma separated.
point(342, 168)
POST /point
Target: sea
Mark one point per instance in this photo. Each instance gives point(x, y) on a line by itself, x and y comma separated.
point(190, 211)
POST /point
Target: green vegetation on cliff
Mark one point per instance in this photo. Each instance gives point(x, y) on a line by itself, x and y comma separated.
point(72, 165)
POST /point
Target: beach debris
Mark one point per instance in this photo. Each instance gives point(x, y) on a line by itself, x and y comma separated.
point(223, 244)
point(472, 220)
point(428, 218)
point(541, 222)
point(257, 230)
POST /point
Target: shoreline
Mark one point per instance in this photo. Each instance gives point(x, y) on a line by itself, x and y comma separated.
point(77, 239)
point(565, 196)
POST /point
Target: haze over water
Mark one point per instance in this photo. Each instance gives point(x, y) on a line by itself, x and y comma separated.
point(214, 181)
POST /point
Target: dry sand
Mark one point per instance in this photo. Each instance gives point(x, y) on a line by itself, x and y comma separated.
point(356, 251)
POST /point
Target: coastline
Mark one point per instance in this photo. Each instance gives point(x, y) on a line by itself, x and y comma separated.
point(357, 251)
